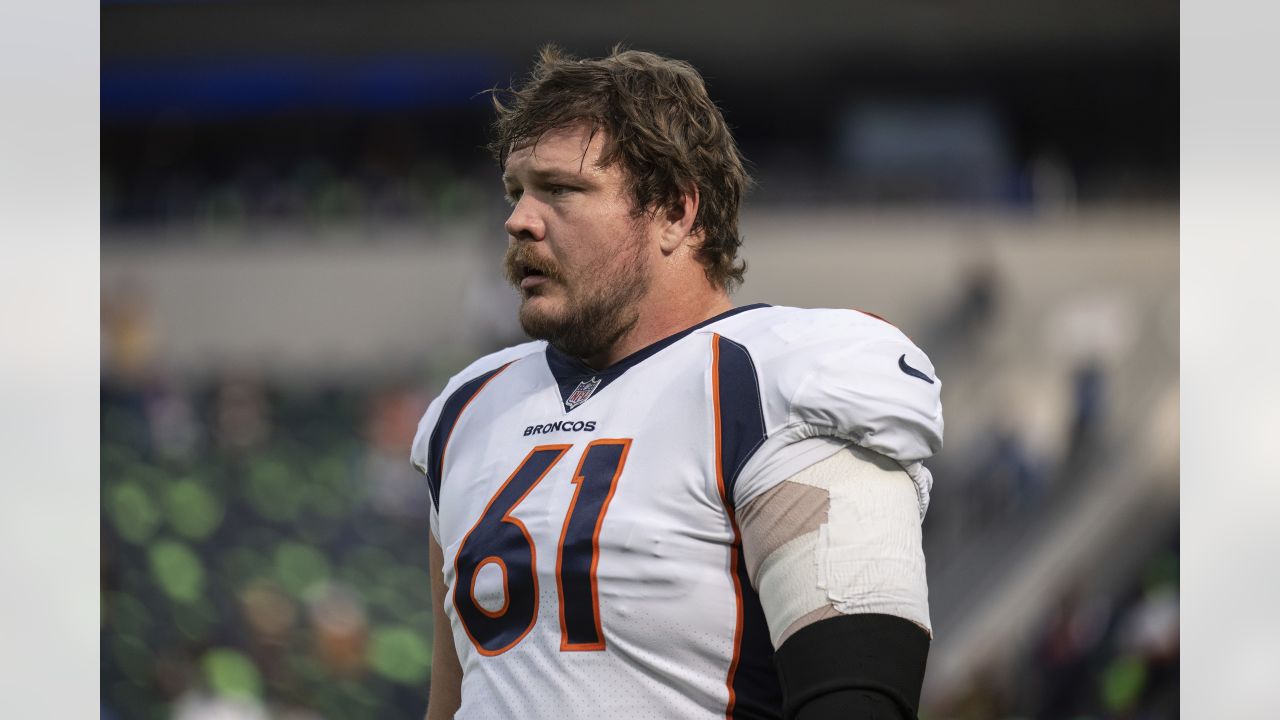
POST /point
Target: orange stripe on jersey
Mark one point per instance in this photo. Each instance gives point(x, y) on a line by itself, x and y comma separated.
point(866, 312)
point(886, 322)
point(733, 522)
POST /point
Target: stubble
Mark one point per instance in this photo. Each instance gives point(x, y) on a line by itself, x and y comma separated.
point(602, 303)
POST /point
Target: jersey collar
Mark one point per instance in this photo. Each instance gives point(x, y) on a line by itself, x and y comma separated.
point(574, 376)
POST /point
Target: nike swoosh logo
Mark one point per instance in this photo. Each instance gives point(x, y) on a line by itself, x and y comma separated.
point(902, 365)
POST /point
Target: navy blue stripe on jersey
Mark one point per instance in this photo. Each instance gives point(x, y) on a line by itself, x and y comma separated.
point(756, 688)
point(449, 416)
point(570, 372)
point(742, 428)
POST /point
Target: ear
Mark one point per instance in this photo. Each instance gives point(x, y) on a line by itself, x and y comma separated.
point(678, 221)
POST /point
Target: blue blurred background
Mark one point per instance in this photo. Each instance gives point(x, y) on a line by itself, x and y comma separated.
point(301, 236)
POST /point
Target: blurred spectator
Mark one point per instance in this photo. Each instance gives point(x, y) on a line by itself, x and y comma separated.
point(1088, 394)
point(1007, 478)
point(395, 488)
point(964, 323)
point(171, 419)
point(1019, 455)
point(1071, 635)
point(242, 421)
point(128, 338)
point(340, 629)
point(984, 698)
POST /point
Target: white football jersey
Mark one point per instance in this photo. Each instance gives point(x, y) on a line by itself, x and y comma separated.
point(591, 555)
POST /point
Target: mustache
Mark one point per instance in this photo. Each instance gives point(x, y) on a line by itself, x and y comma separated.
point(520, 261)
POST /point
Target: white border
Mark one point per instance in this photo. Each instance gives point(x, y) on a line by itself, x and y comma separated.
point(49, 563)
point(1230, 347)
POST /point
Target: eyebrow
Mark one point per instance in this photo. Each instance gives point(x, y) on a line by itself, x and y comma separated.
point(550, 175)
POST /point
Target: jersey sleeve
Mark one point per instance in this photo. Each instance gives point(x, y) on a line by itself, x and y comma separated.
point(837, 376)
point(418, 454)
point(421, 453)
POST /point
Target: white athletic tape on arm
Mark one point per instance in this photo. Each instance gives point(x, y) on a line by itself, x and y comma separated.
point(788, 585)
point(866, 557)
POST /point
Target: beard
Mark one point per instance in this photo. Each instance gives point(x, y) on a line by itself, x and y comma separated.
point(601, 303)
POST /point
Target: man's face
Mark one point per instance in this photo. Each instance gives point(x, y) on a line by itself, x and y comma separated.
point(578, 256)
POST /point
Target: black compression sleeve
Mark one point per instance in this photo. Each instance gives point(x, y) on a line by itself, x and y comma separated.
point(851, 705)
point(863, 667)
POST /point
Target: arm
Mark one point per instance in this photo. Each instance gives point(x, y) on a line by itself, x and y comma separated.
point(835, 554)
point(863, 667)
point(446, 673)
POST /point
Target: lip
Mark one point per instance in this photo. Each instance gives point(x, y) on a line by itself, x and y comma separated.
point(531, 281)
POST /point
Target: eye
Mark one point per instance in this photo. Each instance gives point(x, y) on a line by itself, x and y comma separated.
point(513, 196)
point(559, 190)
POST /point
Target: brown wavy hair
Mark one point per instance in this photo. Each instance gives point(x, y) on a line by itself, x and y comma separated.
point(659, 124)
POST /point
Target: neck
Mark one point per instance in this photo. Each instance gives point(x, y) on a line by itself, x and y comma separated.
point(661, 315)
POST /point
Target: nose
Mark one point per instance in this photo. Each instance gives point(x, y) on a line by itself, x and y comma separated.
point(525, 222)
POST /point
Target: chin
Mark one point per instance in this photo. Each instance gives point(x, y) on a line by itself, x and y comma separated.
point(539, 304)
point(540, 314)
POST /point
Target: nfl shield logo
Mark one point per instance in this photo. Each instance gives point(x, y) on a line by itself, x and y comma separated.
point(581, 393)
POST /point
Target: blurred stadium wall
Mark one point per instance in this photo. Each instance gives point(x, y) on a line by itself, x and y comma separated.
point(300, 243)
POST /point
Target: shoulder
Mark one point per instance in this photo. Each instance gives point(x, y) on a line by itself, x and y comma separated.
point(842, 373)
point(490, 363)
point(468, 379)
point(781, 333)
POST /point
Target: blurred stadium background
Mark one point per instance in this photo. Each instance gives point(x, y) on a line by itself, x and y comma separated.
point(300, 243)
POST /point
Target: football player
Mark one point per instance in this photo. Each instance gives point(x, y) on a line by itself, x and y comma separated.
point(666, 506)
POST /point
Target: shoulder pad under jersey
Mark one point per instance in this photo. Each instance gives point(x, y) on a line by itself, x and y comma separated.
point(843, 374)
point(419, 454)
